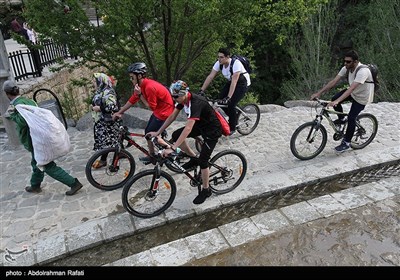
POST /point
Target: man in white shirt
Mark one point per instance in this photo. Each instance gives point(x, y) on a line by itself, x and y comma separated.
point(238, 81)
point(360, 93)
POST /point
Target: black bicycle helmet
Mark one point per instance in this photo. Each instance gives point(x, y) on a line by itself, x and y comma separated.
point(137, 68)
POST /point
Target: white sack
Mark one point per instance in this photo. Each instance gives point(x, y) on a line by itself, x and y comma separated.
point(50, 139)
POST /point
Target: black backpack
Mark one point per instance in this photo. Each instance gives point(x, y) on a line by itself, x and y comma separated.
point(374, 71)
point(244, 60)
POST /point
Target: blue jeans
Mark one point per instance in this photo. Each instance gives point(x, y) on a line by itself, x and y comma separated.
point(355, 110)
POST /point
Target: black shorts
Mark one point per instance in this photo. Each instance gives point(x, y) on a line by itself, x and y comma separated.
point(206, 149)
point(153, 124)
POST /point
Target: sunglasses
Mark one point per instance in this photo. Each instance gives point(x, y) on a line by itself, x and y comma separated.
point(174, 96)
point(348, 61)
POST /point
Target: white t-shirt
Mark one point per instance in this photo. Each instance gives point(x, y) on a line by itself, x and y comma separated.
point(364, 93)
point(31, 35)
point(237, 66)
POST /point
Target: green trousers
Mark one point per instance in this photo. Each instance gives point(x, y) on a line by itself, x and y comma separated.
point(52, 170)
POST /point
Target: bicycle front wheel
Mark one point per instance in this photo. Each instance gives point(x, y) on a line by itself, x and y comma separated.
point(118, 169)
point(308, 140)
point(227, 171)
point(366, 130)
point(248, 120)
point(146, 196)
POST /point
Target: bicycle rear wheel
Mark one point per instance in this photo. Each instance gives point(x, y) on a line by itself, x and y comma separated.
point(119, 168)
point(227, 171)
point(248, 120)
point(308, 140)
point(366, 130)
point(145, 196)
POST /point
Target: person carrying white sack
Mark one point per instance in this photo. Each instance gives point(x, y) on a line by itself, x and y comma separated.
point(51, 168)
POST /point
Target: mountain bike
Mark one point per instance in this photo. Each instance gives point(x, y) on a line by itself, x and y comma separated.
point(248, 117)
point(150, 192)
point(120, 165)
point(310, 138)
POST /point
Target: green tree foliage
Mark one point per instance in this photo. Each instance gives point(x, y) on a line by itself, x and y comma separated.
point(379, 44)
point(318, 46)
point(168, 35)
point(269, 36)
point(177, 39)
point(309, 48)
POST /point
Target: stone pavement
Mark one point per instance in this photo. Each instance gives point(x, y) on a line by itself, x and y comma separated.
point(341, 229)
point(51, 225)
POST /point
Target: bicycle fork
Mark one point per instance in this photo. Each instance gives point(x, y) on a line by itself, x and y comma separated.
point(314, 129)
point(155, 182)
point(114, 167)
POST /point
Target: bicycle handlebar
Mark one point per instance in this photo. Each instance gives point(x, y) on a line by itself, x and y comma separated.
point(214, 101)
point(324, 103)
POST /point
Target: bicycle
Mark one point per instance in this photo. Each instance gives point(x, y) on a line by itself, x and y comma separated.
point(248, 117)
point(121, 165)
point(310, 138)
point(150, 192)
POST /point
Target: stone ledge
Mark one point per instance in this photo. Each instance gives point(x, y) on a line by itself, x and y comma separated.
point(135, 117)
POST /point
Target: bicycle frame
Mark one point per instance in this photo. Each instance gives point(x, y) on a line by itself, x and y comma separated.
point(131, 142)
point(124, 134)
point(195, 178)
point(324, 112)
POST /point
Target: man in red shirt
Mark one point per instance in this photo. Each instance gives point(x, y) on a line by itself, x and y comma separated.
point(154, 95)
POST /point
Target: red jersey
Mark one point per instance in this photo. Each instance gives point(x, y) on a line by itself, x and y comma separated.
point(158, 97)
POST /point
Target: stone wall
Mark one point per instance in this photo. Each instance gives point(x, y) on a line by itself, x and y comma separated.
point(74, 99)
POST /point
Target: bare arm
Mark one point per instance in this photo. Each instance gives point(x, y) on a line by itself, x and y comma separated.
point(209, 79)
point(347, 93)
point(327, 87)
point(122, 110)
point(167, 122)
point(185, 132)
point(234, 80)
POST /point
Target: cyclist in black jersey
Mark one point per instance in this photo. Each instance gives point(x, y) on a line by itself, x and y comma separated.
point(201, 120)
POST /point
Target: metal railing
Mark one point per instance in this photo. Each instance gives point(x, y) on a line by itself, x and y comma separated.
point(30, 62)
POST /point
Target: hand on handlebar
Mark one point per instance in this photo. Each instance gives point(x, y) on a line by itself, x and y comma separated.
point(314, 96)
point(332, 104)
point(167, 152)
point(225, 101)
point(150, 135)
point(116, 116)
point(202, 93)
